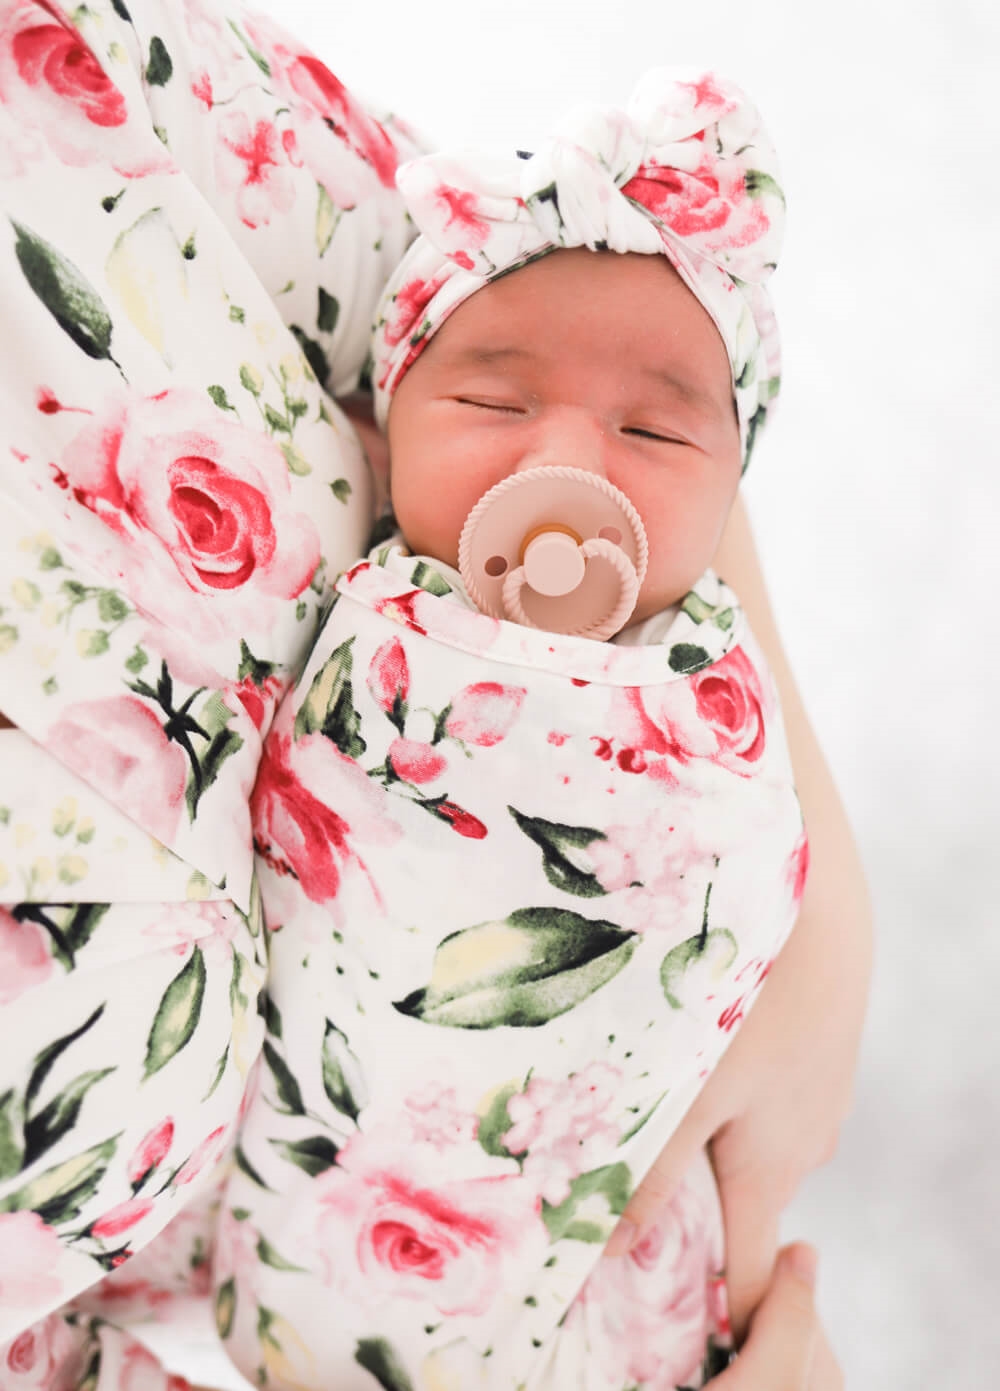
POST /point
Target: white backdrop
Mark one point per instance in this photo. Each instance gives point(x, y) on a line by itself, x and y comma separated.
point(876, 499)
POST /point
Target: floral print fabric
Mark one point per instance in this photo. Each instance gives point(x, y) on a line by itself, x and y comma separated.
point(687, 171)
point(521, 889)
point(198, 218)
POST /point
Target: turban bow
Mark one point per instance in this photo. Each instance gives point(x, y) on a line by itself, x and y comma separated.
point(686, 171)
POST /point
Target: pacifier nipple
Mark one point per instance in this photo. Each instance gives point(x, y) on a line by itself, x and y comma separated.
point(555, 548)
point(553, 562)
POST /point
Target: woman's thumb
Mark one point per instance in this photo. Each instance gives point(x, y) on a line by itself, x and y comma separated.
point(778, 1353)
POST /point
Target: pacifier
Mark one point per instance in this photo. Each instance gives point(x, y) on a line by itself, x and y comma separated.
point(555, 548)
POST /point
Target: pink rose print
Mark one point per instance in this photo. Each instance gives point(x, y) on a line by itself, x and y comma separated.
point(411, 1236)
point(119, 746)
point(296, 829)
point(24, 957)
point(196, 511)
point(150, 1153)
point(258, 698)
point(29, 1257)
point(53, 84)
point(483, 714)
point(717, 714)
point(416, 762)
point(437, 1118)
point(203, 1156)
point(389, 675)
point(461, 820)
point(360, 157)
point(409, 304)
point(254, 162)
point(664, 1294)
point(37, 1356)
point(562, 1128)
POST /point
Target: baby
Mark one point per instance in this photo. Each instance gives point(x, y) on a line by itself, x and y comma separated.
point(524, 885)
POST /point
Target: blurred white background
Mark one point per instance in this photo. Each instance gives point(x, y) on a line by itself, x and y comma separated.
point(876, 500)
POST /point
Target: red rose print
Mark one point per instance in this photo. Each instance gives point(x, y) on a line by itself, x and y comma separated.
point(798, 868)
point(37, 1358)
point(296, 827)
point(409, 304)
point(54, 84)
point(416, 762)
point(729, 700)
point(389, 675)
point(258, 700)
point(199, 511)
point(482, 714)
point(461, 820)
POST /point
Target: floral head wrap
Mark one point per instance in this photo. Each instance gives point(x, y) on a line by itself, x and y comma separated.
point(687, 171)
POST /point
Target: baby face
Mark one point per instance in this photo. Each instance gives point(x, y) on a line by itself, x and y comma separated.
point(600, 361)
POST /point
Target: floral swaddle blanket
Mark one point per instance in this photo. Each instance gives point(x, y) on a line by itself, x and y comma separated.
point(521, 890)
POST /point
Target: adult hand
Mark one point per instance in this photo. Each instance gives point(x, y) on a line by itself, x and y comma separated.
point(786, 1349)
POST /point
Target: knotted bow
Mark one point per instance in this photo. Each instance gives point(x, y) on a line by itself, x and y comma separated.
point(687, 171)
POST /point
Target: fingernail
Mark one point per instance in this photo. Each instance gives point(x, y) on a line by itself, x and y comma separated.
point(802, 1260)
point(622, 1238)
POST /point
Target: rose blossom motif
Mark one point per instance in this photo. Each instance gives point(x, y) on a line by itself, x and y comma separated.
point(121, 1218)
point(257, 698)
point(196, 510)
point(255, 162)
point(296, 829)
point(347, 150)
point(38, 1357)
point(52, 83)
point(150, 1152)
point(482, 714)
point(454, 1246)
point(562, 1128)
point(416, 762)
point(798, 868)
point(752, 977)
point(717, 714)
point(24, 956)
point(389, 675)
point(664, 1294)
point(29, 1256)
point(119, 746)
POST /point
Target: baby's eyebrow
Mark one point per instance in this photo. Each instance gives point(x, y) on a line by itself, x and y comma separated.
point(688, 390)
point(483, 356)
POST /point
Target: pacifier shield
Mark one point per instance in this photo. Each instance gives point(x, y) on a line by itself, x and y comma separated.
point(556, 548)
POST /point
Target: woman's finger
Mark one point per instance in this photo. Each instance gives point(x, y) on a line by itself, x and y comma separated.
point(780, 1353)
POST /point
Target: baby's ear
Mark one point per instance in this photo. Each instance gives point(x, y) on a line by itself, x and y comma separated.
point(359, 409)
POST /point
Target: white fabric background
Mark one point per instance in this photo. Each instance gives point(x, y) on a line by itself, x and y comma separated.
point(876, 500)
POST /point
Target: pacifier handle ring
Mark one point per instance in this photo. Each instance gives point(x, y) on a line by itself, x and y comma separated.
point(605, 627)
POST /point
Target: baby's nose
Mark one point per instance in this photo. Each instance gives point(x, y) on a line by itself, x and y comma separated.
point(568, 438)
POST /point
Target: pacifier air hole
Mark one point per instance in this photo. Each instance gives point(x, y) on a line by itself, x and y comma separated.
point(495, 566)
point(612, 534)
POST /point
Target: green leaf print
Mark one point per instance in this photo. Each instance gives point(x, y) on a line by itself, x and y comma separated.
point(285, 1084)
point(329, 707)
point(245, 1167)
point(254, 667)
point(313, 354)
point(715, 951)
point(687, 657)
point(557, 843)
point(177, 1014)
point(521, 972)
point(225, 1307)
point(327, 219)
point(61, 1114)
point(496, 1122)
point(328, 311)
point(378, 1357)
point(11, 1134)
point(313, 1155)
point(71, 300)
point(160, 67)
point(269, 1256)
point(58, 1194)
point(757, 183)
point(339, 1065)
point(45, 1059)
point(612, 1184)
